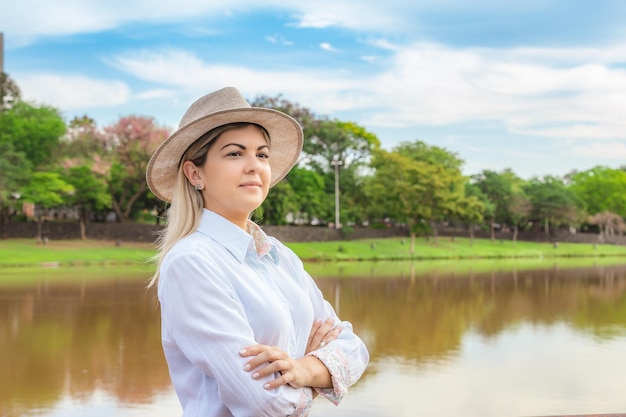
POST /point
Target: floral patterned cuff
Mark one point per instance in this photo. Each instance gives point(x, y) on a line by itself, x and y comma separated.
point(337, 364)
point(304, 404)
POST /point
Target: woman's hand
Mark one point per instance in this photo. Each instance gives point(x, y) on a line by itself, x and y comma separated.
point(322, 333)
point(305, 372)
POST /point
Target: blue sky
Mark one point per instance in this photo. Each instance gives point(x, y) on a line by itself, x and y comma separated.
point(535, 86)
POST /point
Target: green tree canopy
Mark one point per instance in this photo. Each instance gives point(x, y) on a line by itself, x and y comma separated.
point(90, 192)
point(498, 189)
point(15, 172)
point(553, 202)
point(411, 190)
point(601, 189)
point(35, 131)
point(46, 190)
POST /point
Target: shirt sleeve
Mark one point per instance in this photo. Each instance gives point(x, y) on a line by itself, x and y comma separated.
point(205, 321)
point(346, 357)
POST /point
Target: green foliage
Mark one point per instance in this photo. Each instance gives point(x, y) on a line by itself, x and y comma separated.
point(498, 189)
point(420, 185)
point(15, 172)
point(47, 190)
point(35, 131)
point(553, 202)
point(9, 92)
point(90, 190)
point(280, 202)
point(331, 140)
point(416, 183)
point(601, 189)
point(402, 189)
point(434, 155)
point(309, 195)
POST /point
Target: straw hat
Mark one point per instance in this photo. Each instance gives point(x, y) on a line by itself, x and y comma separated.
point(213, 110)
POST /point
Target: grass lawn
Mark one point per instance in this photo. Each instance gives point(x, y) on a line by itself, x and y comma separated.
point(27, 252)
point(447, 248)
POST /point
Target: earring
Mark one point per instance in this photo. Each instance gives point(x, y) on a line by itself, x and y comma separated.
point(199, 186)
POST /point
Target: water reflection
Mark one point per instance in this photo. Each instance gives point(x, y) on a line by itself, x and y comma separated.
point(485, 344)
point(60, 341)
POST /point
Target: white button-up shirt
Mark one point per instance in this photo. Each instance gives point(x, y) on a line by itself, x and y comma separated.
point(222, 289)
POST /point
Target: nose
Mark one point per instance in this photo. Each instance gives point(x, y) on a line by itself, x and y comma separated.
point(253, 163)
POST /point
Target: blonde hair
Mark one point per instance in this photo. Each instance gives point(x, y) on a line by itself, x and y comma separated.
point(185, 211)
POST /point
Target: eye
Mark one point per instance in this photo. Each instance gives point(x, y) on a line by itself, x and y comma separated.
point(234, 153)
point(264, 155)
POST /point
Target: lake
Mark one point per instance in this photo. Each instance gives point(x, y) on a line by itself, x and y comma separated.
point(445, 338)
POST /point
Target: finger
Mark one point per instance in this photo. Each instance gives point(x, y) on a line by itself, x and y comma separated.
point(316, 325)
point(268, 354)
point(321, 332)
point(276, 367)
point(284, 379)
point(253, 350)
point(332, 334)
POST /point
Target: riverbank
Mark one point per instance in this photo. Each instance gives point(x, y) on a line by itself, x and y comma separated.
point(62, 253)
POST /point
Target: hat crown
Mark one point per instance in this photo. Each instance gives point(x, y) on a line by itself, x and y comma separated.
point(228, 98)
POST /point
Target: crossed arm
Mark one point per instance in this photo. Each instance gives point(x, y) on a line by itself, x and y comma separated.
point(307, 371)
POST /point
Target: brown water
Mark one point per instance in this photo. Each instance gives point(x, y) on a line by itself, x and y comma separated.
point(534, 343)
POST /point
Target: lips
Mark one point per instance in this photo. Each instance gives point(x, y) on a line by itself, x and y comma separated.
point(251, 184)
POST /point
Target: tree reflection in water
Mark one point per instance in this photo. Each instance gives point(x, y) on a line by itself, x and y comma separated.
point(60, 341)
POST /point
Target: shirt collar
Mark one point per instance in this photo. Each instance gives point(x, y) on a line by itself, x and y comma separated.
point(234, 239)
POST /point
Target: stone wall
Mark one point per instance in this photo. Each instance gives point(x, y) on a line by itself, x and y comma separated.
point(558, 236)
point(131, 232)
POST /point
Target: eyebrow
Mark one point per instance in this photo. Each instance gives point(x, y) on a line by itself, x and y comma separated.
point(243, 147)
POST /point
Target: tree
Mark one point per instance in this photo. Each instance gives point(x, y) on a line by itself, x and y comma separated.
point(83, 143)
point(303, 115)
point(472, 208)
point(498, 189)
point(397, 190)
point(553, 203)
point(331, 140)
point(412, 191)
point(520, 206)
point(352, 146)
point(90, 193)
point(519, 211)
point(608, 223)
point(9, 92)
point(133, 139)
point(326, 140)
point(46, 190)
point(309, 195)
point(15, 172)
point(601, 189)
point(34, 131)
point(446, 194)
point(280, 202)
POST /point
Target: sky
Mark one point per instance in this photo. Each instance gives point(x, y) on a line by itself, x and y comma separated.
point(535, 86)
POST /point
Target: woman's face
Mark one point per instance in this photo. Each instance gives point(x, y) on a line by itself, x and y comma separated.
point(236, 174)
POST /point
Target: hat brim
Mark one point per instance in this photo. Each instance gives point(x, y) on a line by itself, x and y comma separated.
point(284, 131)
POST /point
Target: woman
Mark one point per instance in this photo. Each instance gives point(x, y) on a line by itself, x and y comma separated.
point(245, 330)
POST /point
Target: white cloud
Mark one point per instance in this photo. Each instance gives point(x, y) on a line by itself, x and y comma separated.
point(69, 92)
point(328, 47)
point(431, 84)
point(278, 39)
point(608, 150)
